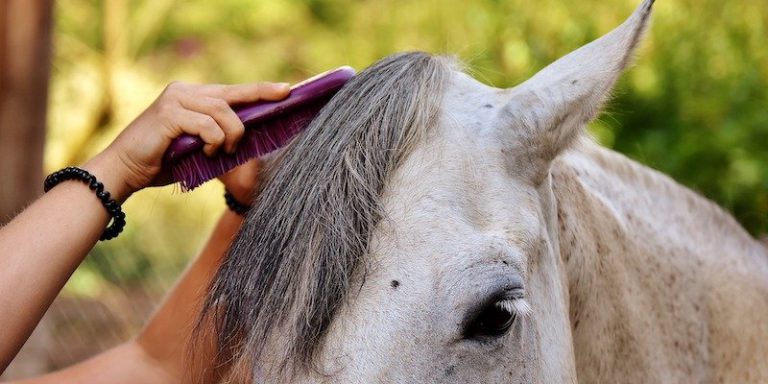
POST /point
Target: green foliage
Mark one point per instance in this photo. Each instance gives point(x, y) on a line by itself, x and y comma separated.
point(694, 107)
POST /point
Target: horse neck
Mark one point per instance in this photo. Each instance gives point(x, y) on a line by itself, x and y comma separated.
point(637, 198)
point(633, 242)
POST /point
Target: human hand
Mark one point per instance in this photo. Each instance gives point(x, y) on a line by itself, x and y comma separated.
point(133, 161)
point(242, 181)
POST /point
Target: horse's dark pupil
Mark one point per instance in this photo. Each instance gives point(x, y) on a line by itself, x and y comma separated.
point(498, 320)
point(492, 322)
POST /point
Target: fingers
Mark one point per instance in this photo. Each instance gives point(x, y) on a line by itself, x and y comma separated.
point(202, 125)
point(204, 110)
point(222, 113)
point(198, 110)
point(244, 93)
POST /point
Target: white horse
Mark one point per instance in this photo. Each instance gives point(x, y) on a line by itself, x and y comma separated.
point(487, 240)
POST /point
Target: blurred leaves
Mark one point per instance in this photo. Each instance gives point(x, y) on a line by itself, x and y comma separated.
point(694, 107)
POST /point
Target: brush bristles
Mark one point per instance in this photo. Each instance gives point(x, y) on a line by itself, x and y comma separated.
point(258, 140)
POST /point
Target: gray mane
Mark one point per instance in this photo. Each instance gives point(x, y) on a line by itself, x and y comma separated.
point(289, 268)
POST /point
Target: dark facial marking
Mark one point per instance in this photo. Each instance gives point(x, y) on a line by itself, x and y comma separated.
point(394, 284)
point(488, 106)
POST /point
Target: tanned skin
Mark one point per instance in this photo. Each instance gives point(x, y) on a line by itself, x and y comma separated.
point(42, 246)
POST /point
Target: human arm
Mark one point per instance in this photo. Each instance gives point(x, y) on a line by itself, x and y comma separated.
point(160, 353)
point(42, 246)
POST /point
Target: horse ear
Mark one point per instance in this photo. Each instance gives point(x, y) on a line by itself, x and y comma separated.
point(551, 108)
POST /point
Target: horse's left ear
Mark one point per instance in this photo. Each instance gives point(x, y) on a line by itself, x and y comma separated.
point(550, 109)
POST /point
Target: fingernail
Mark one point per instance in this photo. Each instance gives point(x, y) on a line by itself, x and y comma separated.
point(283, 86)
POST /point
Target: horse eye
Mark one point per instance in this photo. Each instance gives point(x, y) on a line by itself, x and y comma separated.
point(493, 321)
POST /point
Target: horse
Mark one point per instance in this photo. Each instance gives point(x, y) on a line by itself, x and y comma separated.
point(428, 228)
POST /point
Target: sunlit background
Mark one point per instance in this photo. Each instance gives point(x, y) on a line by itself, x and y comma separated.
point(695, 106)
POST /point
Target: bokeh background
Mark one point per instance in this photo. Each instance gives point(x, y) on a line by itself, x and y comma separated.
point(695, 106)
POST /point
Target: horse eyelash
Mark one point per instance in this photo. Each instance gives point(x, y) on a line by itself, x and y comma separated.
point(516, 306)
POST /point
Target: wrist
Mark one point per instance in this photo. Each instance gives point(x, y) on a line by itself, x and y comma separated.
point(108, 171)
point(235, 205)
point(110, 204)
point(242, 196)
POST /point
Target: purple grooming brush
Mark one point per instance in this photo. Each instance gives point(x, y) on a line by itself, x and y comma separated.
point(269, 125)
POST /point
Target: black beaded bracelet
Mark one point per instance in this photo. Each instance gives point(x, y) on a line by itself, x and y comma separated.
point(112, 207)
point(235, 205)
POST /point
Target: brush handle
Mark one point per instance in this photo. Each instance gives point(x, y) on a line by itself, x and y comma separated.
point(316, 88)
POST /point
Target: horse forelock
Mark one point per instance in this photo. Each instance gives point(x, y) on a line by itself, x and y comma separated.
point(290, 267)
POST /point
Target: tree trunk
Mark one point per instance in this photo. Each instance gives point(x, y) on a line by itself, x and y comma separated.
point(25, 57)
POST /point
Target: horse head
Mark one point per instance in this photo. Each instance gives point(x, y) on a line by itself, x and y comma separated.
point(410, 233)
